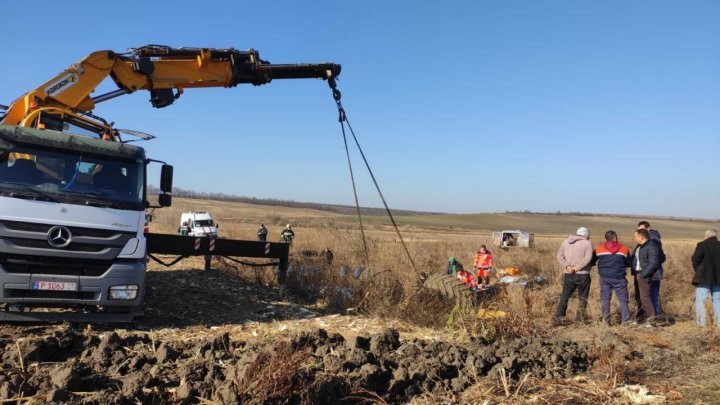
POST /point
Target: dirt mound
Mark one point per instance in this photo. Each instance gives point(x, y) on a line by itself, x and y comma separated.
point(314, 367)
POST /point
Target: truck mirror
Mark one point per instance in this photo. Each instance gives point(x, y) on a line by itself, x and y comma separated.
point(217, 225)
point(165, 200)
point(166, 178)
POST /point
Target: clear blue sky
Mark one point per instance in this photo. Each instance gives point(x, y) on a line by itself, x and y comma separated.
point(465, 106)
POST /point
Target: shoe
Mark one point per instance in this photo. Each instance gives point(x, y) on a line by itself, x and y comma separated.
point(556, 321)
point(648, 325)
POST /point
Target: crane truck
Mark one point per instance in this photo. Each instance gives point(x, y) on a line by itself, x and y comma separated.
point(73, 191)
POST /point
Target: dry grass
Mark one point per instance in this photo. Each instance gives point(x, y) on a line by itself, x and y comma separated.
point(430, 248)
point(674, 360)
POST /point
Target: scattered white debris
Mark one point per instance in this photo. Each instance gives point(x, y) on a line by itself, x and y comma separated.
point(637, 394)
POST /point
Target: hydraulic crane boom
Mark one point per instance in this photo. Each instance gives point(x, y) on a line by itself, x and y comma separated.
point(164, 71)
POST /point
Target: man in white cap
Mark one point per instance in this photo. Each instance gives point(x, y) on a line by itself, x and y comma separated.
point(575, 256)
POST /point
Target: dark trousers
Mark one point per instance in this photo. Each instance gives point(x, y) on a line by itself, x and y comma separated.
point(572, 282)
point(620, 286)
point(643, 298)
point(655, 295)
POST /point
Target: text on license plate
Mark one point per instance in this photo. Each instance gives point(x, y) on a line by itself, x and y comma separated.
point(54, 285)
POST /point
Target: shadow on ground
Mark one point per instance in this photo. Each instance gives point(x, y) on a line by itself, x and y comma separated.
point(182, 298)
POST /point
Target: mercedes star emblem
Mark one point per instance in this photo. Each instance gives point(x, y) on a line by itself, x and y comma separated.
point(59, 236)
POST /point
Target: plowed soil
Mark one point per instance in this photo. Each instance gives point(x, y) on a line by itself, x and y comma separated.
point(239, 344)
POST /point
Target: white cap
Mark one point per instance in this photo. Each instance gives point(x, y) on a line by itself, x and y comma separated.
point(582, 231)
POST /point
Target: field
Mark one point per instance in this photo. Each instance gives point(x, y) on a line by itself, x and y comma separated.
point(223, 337)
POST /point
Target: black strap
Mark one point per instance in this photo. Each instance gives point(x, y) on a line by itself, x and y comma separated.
point(166, 264)
point(343, 120)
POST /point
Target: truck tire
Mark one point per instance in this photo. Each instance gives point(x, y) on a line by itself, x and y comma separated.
point(450, 288)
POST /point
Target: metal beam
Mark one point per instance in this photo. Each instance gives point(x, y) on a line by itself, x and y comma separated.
point(165, 244)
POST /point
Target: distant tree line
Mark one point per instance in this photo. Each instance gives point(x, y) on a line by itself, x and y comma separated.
point(340, 209)
point(590, 214)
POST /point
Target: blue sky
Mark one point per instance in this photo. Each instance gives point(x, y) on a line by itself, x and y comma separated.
point(465, 106)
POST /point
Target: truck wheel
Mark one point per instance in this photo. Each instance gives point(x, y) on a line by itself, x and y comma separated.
point(450, 288)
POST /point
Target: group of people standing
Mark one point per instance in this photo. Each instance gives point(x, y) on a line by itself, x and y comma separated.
point(287, 235)
point(577, 257)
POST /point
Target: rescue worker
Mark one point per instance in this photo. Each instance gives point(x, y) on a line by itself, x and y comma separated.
point(184, 229)
point(482, 265)
point(453, 266)
point(262, 233)
point(287, 235)
point(467, 278)
point(328, 255)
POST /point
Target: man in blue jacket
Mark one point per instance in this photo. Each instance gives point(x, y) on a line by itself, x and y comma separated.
point(613, 259)
point(655, 282)
point(646, 261)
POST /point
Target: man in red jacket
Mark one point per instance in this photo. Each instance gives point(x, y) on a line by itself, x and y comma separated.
point(613, 259)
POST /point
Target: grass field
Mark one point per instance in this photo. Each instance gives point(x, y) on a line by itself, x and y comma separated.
point(431, 239)
point(676, 359)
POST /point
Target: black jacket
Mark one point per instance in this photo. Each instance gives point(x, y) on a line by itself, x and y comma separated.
point(650, 257)
point(706, 262)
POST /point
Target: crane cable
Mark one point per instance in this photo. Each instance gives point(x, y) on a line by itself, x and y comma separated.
point(342, 118)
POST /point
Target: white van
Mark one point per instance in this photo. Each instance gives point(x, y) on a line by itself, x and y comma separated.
point(199, 224)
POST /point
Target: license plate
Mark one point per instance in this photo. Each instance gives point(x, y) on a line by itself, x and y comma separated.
point(54, 286)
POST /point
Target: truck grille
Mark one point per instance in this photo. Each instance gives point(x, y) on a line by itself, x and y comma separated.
point(56, 266)
point(42, 294)
point(74, 247)
point(44, 228)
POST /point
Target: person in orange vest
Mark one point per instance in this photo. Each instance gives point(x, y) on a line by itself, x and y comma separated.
point(483, 264)
point(467, 278)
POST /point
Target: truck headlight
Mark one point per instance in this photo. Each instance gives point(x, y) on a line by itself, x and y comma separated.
point(123, 292)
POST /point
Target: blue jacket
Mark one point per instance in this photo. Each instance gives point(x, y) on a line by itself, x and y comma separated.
point(612, 264)
point(650, 257)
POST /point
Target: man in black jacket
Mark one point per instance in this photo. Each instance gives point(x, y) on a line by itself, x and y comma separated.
point(645, 263)
point(706, 262)
point(657, 278)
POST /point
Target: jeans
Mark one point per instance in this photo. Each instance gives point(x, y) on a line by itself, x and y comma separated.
point(702, 291)
point(655, 295)
point(572, 282)
point(620, 286)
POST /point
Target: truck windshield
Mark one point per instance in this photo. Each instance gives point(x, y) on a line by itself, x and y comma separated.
point(203, 222)
point(71, 178)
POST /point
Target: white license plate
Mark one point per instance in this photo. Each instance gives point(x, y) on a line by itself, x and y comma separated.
point(54, 286)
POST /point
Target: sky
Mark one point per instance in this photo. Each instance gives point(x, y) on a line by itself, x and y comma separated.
point(460, 106)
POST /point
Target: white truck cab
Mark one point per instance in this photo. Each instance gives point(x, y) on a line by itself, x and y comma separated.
point(72, 218)
point(198, 224)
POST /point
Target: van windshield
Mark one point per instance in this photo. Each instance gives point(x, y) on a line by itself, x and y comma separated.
point(72, 178)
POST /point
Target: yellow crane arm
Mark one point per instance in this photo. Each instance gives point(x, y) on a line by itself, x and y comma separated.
point(164, 71)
